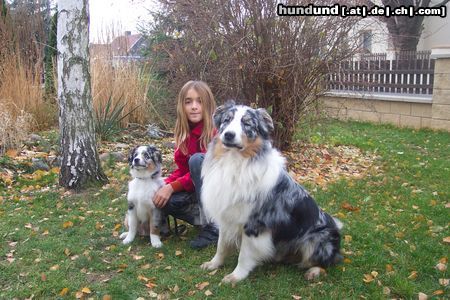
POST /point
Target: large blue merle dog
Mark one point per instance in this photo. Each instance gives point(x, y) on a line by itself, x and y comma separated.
point(258, 207)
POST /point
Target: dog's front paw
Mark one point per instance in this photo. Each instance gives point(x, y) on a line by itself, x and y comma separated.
point(123, 235)
point(156, 244)
point(210, 265)
point(254, 227)
point(314, 273)
point(230, 278)
point(127, 240)
point(155, 241)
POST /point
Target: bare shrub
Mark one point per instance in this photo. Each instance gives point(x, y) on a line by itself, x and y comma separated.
point(246, 52)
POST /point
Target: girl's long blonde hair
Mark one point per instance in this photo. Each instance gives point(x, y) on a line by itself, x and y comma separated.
point(181, 131)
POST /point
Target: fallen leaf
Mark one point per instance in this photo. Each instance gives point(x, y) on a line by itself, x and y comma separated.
point(54, 268)
point(340, 215)
point(446, 240)
point(107, 297)
point(117, 227)
point(79, 295)
point(413, 275)
point(347, 238)
point(45, 232)
point(368, 278)
point(138, 257)
point(168, 268)
point(160, 255)
point(99, 226)
point(443, 281)
point(441, 267)
point(11, 153)
point(386, 290)
point(67, 252)
point(67, 224)
point(213, 272)
point(296, 297)
point(151, 285)
point(389, 268)
point(142, 278)
point(43, 277)
point(175, 289)
point(146, 267)
point(64, 292)
point(400, 235)
point(202, 285)
point(438, 292)
point(423, 296)
point(349, 207)
point(86, 290)
point(208, 293)
point(152, 294)
point(178, 253)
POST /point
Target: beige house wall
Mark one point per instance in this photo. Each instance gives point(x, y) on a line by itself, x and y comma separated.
point(399, 110)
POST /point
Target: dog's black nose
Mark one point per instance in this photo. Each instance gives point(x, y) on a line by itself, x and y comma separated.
point(136, 160)
point(229, 136)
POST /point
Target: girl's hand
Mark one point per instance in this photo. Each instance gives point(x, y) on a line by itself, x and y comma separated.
point(162, 196)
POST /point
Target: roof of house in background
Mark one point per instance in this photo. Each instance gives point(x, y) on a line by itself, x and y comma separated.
point(122, 45)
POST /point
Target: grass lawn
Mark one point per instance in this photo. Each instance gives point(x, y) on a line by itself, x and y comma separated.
point(59, 245)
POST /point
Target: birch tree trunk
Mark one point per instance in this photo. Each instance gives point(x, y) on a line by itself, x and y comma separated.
point(80, 164)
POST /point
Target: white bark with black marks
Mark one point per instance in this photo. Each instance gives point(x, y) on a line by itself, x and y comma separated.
point(80, 164)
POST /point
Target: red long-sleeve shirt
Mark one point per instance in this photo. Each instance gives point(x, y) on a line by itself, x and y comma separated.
point(180, 178)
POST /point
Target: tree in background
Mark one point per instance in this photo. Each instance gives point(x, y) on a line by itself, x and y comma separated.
point(246, 52)
point(405, 31)
point(80, 164)
point(50, 59)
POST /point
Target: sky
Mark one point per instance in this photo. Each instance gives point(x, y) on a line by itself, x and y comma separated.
point(110, 18)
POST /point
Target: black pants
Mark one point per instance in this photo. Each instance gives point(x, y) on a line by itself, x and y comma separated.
point(186, 206)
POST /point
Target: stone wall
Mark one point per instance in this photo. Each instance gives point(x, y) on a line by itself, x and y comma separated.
point(399, 113)
point(416, 111)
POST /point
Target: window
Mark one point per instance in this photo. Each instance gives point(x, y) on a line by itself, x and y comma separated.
point(366, 41)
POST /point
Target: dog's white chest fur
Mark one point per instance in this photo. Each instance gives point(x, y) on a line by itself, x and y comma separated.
point(140, 192)
point(232, 184)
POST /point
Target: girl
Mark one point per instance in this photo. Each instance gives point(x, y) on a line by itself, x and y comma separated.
point(194, 129)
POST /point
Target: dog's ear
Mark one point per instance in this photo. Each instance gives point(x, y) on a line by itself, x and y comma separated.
point(154, 154)
point(131, 155)
point(218, 114)
point(265, 125)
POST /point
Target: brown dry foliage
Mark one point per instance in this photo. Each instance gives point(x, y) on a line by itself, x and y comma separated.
point(244, 51)
point(22, 40)
point(128, 84)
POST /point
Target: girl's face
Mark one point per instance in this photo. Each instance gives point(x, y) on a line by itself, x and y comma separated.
point(193, 106)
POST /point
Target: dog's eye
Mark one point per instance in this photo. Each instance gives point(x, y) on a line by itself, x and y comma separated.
point(247, 123)
point(146, 156)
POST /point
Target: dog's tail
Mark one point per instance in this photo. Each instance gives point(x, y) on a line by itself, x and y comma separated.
point(339, 224)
